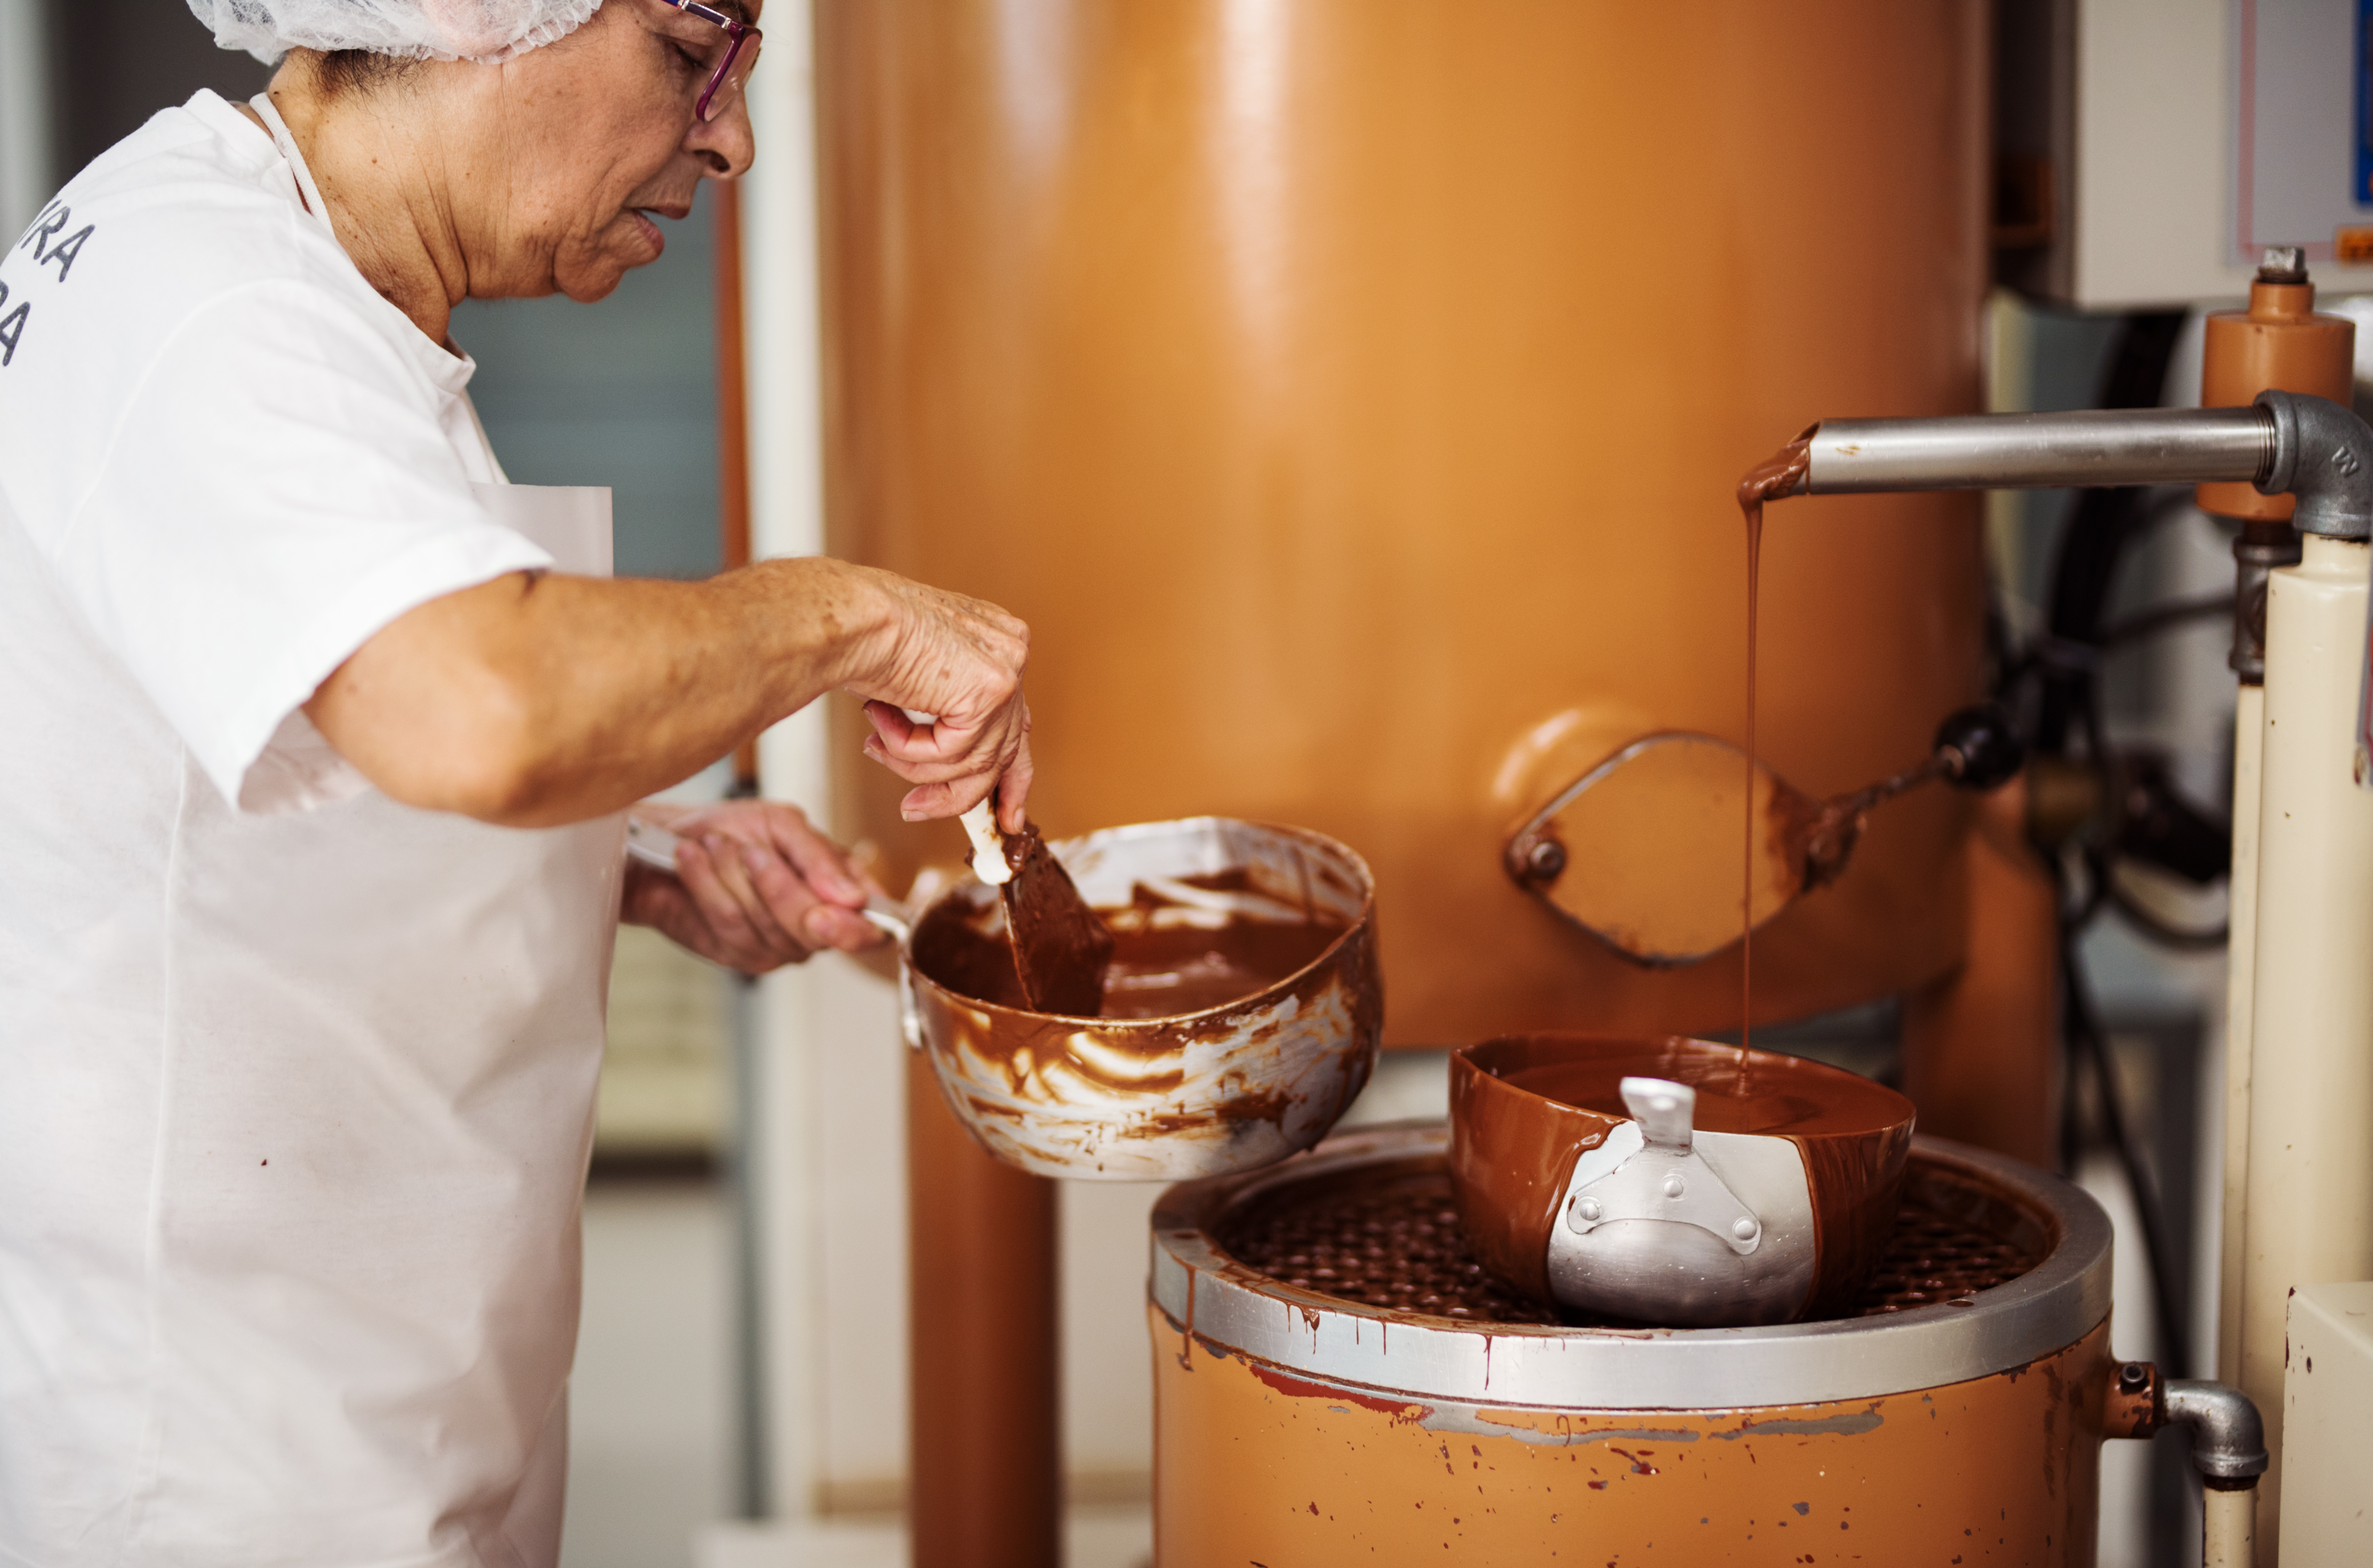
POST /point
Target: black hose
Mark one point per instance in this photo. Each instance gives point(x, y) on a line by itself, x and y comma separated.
point(2089, 1045)
point(2106, 521)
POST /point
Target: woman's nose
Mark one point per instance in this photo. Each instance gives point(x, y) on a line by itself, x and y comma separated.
point(726, 145)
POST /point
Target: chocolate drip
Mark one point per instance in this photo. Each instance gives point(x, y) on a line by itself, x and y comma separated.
point(1783, 474)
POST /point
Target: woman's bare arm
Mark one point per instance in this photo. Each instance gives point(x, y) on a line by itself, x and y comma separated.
point(541, 699)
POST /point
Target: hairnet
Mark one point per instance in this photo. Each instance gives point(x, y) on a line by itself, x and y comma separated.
point(490, 31)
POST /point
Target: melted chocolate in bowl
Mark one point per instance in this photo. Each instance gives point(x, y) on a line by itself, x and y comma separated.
point(1169, 959)
point(1242, 1011)
point(1393, 1240)
point(1741, 1094)
point(1524, 1108)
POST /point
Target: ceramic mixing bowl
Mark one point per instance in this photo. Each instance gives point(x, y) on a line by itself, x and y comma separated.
point(1672, 1181)
point(1221, 1088)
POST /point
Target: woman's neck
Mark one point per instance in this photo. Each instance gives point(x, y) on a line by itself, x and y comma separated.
point(381, 177)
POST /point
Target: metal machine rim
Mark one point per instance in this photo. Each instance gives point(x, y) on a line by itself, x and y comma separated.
point(1229, 1308)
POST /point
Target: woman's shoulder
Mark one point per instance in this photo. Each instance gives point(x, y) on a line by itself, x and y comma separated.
point(195, 213)
point(197, 196)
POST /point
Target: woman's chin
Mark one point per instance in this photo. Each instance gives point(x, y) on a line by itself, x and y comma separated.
point(587, 285)
point(592, 275)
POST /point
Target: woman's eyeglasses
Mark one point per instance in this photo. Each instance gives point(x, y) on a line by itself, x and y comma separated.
point(742, 44)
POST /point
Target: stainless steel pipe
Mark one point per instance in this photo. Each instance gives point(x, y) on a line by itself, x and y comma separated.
point(2319, 452)
point(2023, 452)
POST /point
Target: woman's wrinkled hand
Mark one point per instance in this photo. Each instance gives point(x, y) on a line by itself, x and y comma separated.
point(756, 887)
point(959, 661)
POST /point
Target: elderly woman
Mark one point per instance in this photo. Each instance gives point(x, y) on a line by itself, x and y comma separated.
point(318, 740)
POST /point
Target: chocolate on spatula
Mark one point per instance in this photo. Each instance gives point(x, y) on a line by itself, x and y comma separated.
point(1060, 948)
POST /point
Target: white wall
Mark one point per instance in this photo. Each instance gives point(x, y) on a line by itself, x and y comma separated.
point(787, 518)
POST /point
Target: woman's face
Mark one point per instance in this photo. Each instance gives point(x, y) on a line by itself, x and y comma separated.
point(597, 138)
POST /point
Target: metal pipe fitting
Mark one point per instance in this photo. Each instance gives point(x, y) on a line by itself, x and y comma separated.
point(2262, 549)
point(2323, 456)
point(2228, 1440)
point(2027, 452)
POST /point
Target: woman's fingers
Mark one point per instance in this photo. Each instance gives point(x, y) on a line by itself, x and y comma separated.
point(961, 660)
point(891, 724)
point(791, 890)
point(1013, 786)
point(755, 886)
point(791, 898)
point(822, 864)
point(955, 770)
point(713, 872)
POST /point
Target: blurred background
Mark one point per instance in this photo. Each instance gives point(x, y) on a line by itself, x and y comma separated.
point(745, 1317)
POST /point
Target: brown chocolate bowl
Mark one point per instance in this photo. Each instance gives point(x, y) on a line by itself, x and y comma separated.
point(1768, 1201)
point(1230, 1085)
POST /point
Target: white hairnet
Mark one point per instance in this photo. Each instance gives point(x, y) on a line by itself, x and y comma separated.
point(490, 31)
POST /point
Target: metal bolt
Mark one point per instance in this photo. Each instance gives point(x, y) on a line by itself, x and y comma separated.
point(1589, 1210)
point(2282, 264)
point(2133, 1377)
point(1673, 1185)
point(1743, 1228)
point(1546, 860)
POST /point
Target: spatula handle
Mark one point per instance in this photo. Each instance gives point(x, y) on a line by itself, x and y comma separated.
point(988, 846)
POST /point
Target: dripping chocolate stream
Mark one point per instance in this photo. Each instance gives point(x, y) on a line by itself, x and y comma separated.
point(1783, 474)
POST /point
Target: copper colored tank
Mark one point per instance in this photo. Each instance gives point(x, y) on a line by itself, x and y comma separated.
point(1353, 1417)
point(1350, 397)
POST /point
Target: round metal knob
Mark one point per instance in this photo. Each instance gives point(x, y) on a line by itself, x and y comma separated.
point(1981, 746)
point(1589, 1210)
point(1743, 1228)
point(1674, 1187)
point(1546, 860)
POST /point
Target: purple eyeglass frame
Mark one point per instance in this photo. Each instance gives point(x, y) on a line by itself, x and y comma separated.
point(723, 83)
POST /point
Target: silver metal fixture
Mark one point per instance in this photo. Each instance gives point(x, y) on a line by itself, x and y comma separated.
point(2009, 451)
point(2254, 560)
point(2319, 452)
point(1646, 1170)
point(2228, 1449)
point(1665, 1223)
point(2228, 1438)
point(2282, 264)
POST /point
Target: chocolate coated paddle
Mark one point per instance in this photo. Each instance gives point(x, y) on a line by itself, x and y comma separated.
point(1060, 947)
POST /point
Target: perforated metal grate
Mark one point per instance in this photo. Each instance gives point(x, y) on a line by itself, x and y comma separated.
point(1394, 1242)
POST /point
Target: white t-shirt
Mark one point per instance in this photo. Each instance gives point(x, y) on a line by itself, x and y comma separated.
point(296, 1083)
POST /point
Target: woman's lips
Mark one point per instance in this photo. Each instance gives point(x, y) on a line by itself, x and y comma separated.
point(650, 230)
